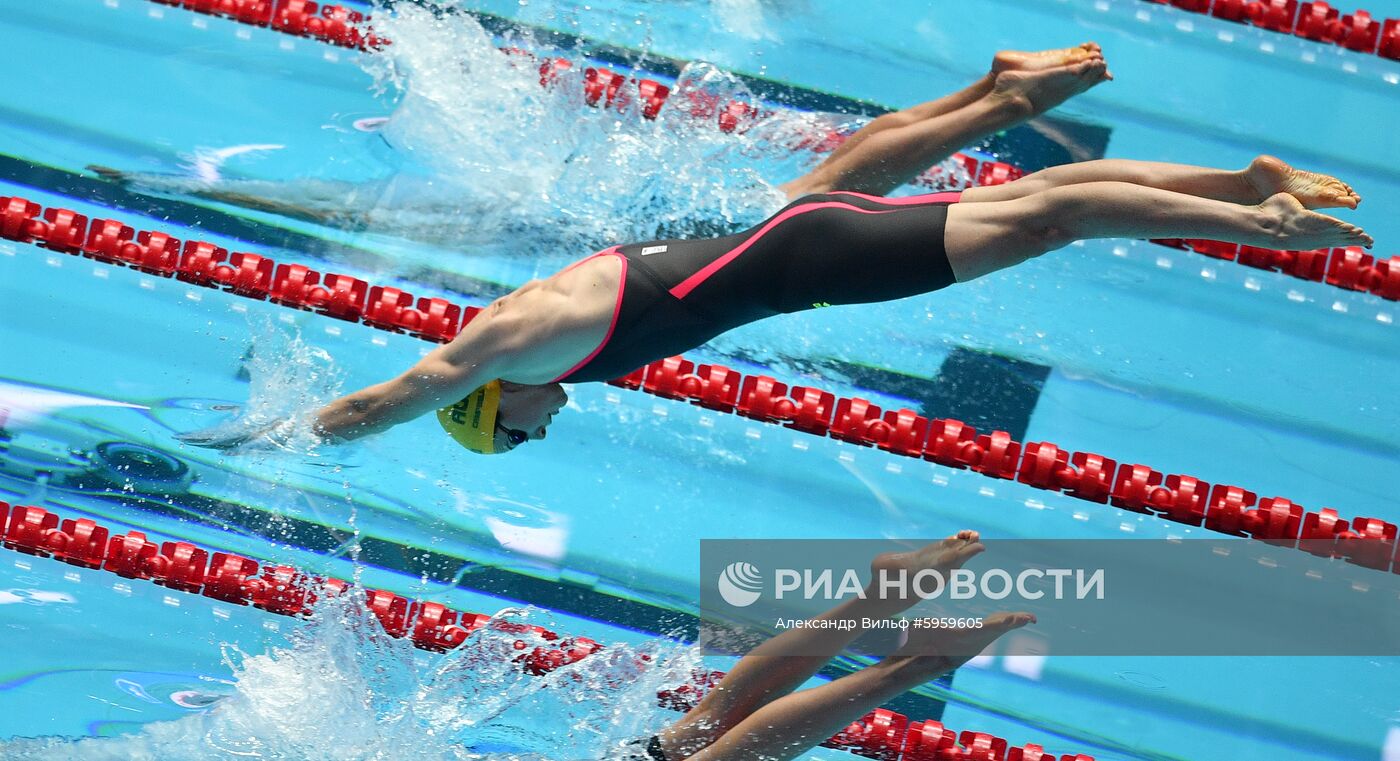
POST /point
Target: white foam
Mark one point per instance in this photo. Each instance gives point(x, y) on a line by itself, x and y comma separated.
point(509, 158)
point(287, 378)
point(743, 18)
point(340, 689)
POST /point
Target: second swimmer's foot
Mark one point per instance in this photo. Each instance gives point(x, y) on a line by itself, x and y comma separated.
point(1039, 60)
point(109, 174)
point(1041, 90)
point(1294, 228)
point(945, 649)
point(942, 556)
point(1269, 175)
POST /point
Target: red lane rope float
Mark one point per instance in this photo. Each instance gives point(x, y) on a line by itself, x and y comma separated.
point(1316, 21)
point(330, 23)
point(1222, 508)
point(287, 591)
point(1350, 269)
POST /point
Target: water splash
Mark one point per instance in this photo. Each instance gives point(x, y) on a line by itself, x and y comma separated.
point(288, 378)
point(490, 158)
point(208, 163)
point(520, 156)
point(341, 689)
point(743, 18)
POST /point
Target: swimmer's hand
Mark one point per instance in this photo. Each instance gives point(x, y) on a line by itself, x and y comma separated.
point(243, 434)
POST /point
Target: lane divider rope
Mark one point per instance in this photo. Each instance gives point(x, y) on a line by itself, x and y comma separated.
point(1349, 269)
point(1316, 21)
point(1137, 488)
point(287, 591)
point(334, 24)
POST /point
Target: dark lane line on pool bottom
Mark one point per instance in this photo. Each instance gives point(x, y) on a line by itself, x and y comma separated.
point(416, 563)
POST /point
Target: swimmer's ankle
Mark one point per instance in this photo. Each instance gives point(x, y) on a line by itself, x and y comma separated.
point(1251, 181)
point(911, 670)
point(1015, 104)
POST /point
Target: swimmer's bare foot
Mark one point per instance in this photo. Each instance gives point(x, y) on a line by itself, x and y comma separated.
point(1269, 175)
point(109, 174)
point(944, 649)
point(1294, 228)
point(943, 556)
point(1039, 60)
point(1039, 91)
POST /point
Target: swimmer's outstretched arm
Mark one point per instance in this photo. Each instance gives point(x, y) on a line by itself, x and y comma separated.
point(489, 347)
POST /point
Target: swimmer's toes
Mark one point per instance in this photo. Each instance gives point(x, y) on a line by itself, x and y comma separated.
point(1092, 72)
point(966, 535)
point(1334, 232)
point(1002, 622)
point(970, 551)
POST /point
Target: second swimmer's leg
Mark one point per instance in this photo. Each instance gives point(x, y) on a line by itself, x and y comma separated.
point(796, 723)
point(270, 205)
point(295, 199)
point(769, 672)
point(985, 237)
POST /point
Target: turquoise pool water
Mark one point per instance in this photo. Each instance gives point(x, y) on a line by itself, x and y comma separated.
point(482, 180)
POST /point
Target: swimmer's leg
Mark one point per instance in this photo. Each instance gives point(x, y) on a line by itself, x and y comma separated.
point(985, 237)
point(915, 114)
point(269, 205)
point(252, 194)
point(885, 159)
point(1264, 177)
point(796, 723)
point(766, 674)
point(1006, 60)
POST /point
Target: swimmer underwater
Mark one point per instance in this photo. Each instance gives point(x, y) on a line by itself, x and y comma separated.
point(838, 243)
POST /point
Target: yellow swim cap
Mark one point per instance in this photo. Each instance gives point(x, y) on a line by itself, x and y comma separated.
point(472, 421)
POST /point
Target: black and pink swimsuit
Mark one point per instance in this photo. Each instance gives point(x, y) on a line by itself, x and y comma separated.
point(820, 250)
